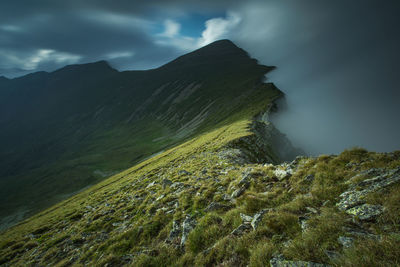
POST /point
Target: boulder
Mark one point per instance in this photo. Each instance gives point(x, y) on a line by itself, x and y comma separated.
point(366, 212)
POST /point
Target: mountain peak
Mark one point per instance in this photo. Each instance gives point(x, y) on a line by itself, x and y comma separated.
point(213, 53)
point(101, 65)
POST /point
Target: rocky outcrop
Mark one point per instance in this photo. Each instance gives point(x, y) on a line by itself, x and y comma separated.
point(352, 201)
point(266, 145)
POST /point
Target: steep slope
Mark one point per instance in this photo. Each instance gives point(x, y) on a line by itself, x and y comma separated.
point(71, 128)
point(203, 203)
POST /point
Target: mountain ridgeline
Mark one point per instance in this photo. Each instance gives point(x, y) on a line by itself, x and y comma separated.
point(71, 128)
point(198, 176)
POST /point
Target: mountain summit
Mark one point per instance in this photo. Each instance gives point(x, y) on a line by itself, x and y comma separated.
point(65, 130)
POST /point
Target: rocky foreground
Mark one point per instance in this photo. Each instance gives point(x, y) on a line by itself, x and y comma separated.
point(206, 205)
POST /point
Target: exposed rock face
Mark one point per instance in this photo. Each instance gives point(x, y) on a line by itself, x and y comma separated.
point(352, 201)
point(267, 144)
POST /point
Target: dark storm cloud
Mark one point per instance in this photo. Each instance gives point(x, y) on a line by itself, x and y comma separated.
point(337, 60)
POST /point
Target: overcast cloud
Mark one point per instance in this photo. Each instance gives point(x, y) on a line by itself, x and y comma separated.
point(337, 60)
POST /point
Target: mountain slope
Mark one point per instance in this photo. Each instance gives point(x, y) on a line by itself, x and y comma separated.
point(203, 203)
point(221, 196)
point(71, 128)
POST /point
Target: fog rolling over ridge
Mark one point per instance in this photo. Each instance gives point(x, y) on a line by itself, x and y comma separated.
point(337, 61)
point(338, 65)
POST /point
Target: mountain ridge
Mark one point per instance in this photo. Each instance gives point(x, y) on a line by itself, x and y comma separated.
point(224, 188)
point(77, 125)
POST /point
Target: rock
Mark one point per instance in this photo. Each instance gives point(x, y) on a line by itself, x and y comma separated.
point(165, 183)
point(184, 172)
point(279, 262)
point(353, 197)
point(346, 241)
point(238, 192)
point(366, 212)
point(360, 233)
point(246, 177)
point(312, 210)
point(187, 226)
point(258, 217)
point(177, 185)
point(226, 197)
point(216, 206)
point(281, 174)
point(246, 218)
point(151, 184)
point(175, 231)
point(160, 197)
point(303, 223)
point(245, 227)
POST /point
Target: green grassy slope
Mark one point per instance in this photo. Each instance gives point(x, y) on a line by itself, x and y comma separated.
point(71, 128)
point(140, 216)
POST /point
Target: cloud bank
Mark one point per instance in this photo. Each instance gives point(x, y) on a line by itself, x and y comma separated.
point(337, 60)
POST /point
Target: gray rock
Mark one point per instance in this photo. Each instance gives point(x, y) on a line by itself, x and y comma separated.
point(187, 226)
point(258, 217)
point(151, 184)
point(246, 218)
point(282, 174)
point(238, 192)
point(165, 183)
point(177, 185)
point(226, 197)
point(360, 233)
point(312, 210)
point(303, 223)
point(366, 212)
point(175, 232)
point(354, 197)
point(245, 227)
point(346, 241)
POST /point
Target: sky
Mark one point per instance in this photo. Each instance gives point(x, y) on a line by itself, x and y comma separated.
point(337, 61)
